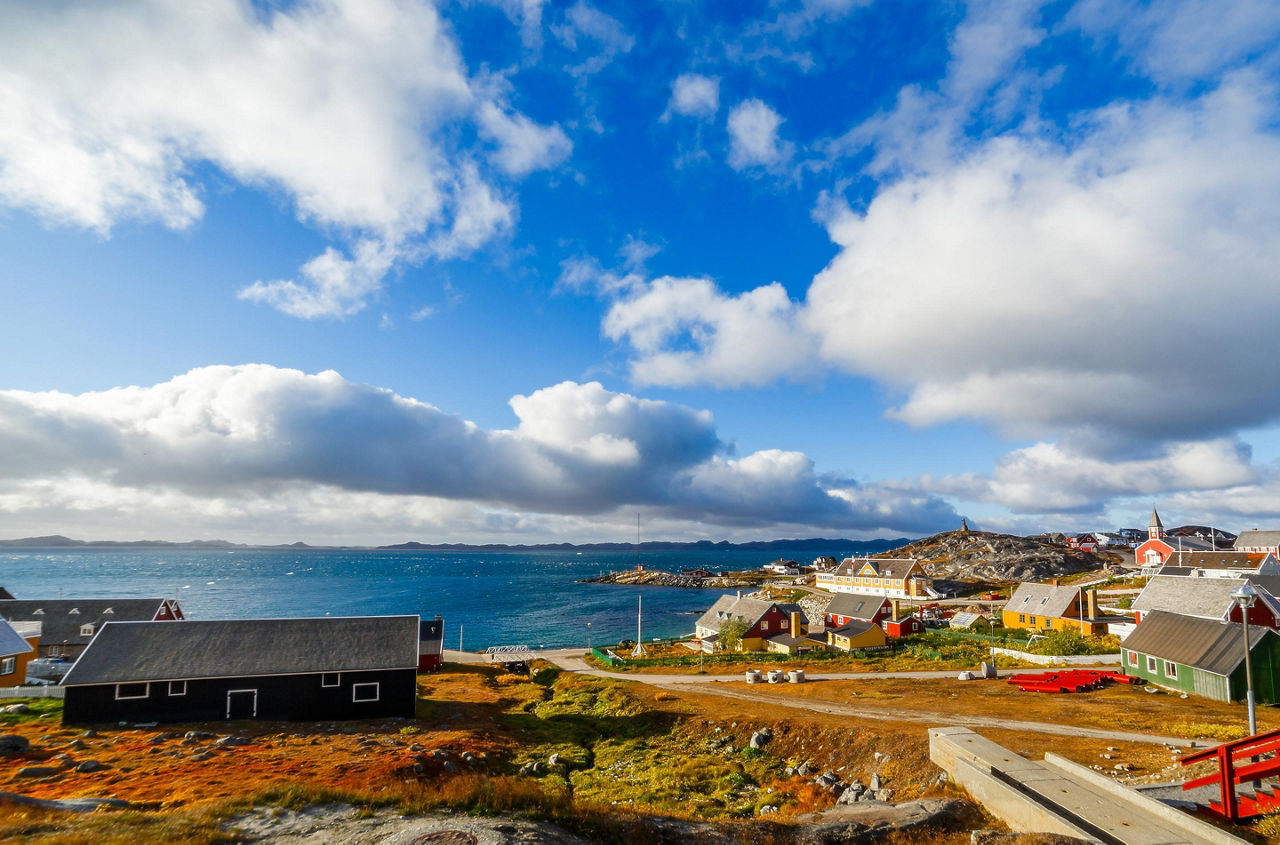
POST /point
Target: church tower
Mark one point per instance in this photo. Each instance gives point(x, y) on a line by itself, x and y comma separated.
point(1155, 531)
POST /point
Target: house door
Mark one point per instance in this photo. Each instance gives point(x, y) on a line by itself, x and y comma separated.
point(242, 703)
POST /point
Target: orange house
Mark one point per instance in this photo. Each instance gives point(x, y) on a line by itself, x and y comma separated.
point(17, 647)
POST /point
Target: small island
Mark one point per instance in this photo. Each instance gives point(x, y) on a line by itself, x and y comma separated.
point(687, 578)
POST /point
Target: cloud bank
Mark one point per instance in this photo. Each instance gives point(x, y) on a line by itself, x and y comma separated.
point(217, 438)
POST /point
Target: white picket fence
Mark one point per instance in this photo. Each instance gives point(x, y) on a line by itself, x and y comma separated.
point(1062, 660)
point(42, 691)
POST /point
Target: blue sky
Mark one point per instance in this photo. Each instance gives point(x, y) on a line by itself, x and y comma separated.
point(522, 270)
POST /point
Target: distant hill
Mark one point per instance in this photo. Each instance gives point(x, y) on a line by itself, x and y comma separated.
point(817, 545)
point(834, 547)
point(981, 555)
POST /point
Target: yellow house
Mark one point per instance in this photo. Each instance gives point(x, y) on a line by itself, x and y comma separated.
point(895, 577)
point(856, 634)
point(1049, 607)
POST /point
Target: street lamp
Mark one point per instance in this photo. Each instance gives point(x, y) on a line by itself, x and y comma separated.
point(588, 636)
point(1245, 595)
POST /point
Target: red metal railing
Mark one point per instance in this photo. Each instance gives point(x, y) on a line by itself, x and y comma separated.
point(1240, 761)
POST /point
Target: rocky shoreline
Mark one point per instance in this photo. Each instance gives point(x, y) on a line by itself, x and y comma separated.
point(657, 578)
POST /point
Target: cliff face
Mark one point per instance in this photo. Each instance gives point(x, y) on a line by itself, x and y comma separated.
point(980, 555)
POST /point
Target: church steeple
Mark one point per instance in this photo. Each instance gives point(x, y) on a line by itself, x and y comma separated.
point(1155, 530)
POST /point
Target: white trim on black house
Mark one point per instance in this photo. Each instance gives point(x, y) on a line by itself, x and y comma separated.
point(331, 668)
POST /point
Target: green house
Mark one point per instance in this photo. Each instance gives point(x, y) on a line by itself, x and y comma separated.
point(1203, 657)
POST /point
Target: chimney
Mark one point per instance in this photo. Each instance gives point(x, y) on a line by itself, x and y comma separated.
point(894, 606)
point(797, 627)
point(1093, 603)
point(739, 593)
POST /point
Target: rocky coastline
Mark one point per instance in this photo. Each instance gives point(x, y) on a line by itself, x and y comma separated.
point(657, 578)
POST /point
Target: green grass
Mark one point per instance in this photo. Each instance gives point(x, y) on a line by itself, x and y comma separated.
point(41, 708)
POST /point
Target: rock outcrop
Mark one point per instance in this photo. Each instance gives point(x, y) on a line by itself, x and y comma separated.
point(980, 555)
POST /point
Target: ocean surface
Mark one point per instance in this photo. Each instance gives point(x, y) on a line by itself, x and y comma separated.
point(485, 598)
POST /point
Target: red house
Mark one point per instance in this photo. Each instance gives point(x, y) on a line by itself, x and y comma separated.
point(848, 607)
point(904, 626)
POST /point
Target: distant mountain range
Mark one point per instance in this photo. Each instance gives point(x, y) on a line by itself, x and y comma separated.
point(835, 547)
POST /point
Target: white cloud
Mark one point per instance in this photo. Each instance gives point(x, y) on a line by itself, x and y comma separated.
point(1178, 41)
point(586, 27)
point(106, 113)
point(1063, 477)
point(527, 14)
point(209, 446)
point(525, 146)
point(333, 285)
point(753, 137)
point(686, 331)
point(422, 313)
point(695, 95)
point(1038, 285)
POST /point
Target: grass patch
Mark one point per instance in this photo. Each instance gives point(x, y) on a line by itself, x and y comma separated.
point(39, 708)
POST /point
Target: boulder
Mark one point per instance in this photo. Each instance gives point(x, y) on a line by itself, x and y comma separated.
point(13, 744)
point(555, 759)
point(875, 783)
point(38, 771)
point(16, 708)
point(758, 740)
point(89, 766)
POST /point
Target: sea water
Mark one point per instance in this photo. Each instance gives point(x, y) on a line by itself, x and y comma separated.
point(485, 598)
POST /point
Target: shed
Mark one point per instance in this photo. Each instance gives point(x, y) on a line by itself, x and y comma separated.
point(361, 667)
point(430, 644)
point(1203, 656)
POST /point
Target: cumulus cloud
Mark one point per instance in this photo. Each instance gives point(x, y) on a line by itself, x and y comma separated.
point(1037, 284)
point(695, 95)
point(687, 331)
point(106, 113)
point(753, 137)
point(219, 439)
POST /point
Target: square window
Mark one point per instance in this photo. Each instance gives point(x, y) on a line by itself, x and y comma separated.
point(177, 688)
point(124, 691)
point(330, 679)
point(364, 692)
point(1151, 663)
point(1170, 669)
point(1048, 624)
point(1022, 618)
point(1133, 658)
point(8, 665)
point(86, 630)
point(764, 626)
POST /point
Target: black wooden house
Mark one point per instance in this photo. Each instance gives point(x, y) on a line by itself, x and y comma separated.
point(362, 667)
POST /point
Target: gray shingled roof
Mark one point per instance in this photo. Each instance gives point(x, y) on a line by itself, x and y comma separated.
point(733, 607)
point(886, 567)
point(11, 642)
point(1207, 598)
point(857, 605)
point(1214, 560)
point(163, 651)
point(852, 629)
point(1042, 599)
point(62, 618)
point(1248, 539)
point(1192, 544)
point(1216, 647)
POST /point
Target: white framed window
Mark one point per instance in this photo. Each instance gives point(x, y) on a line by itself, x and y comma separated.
point(1151, 664)
point(330, 679)
point(1133, 658)
point(1170, 669)
point(177, 688)
point(365, 692)
point(127, 691)
point(8, 666)
point(86, 630)
point(764, 626)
